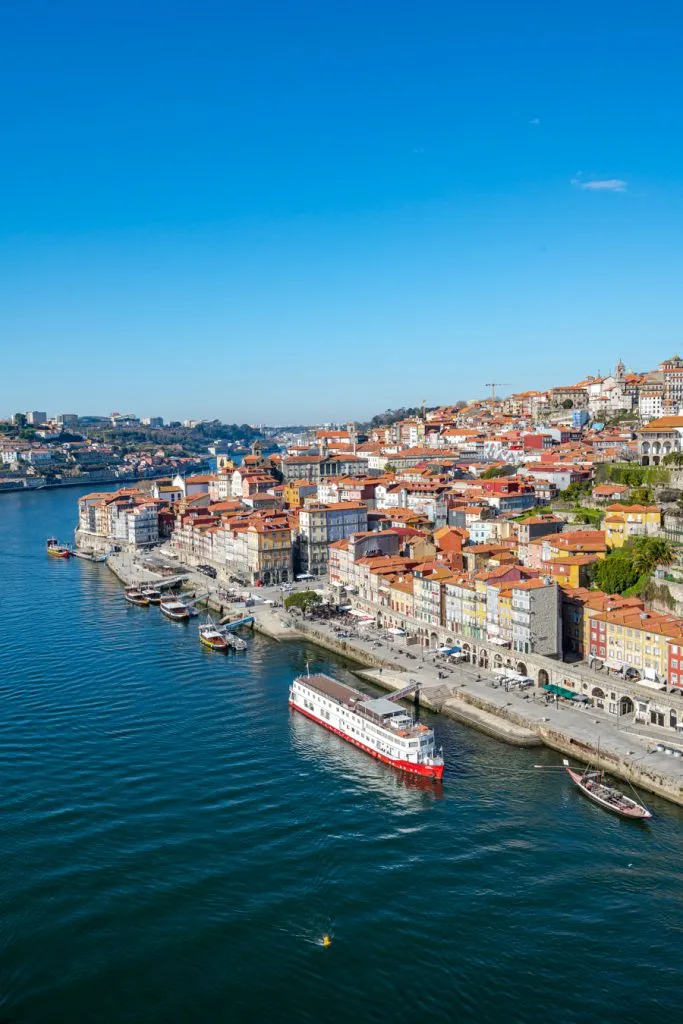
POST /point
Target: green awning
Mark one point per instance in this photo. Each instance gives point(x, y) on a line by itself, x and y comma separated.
point(561, 691)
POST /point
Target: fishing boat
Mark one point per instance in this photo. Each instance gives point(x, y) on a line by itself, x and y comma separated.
point(57, 550)
point(592, 784)
point(152, 595)
point(212, 637)
point(378, 726)
point(136, 596)
point(176, 610)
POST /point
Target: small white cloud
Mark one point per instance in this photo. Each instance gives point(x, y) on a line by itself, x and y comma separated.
point(535, 120)
point(601, 184)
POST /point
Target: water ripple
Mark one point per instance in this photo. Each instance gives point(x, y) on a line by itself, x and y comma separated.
point(175, 841)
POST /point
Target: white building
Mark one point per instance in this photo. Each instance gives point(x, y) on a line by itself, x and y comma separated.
point(142, 526)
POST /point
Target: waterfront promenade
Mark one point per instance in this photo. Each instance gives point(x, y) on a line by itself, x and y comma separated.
point(465, 692)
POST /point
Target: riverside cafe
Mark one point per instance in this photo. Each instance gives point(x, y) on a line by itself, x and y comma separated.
point(508, 678)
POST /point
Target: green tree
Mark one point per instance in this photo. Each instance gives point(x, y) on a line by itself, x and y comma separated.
point(673, 459)
point(494, 471)
point(576, 490)
point(304, 599)
point(616, 573)
point(641, 495)
point(648, 552)
point(589, 516)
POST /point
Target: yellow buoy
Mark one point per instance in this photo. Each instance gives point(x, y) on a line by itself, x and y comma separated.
point(327, 941)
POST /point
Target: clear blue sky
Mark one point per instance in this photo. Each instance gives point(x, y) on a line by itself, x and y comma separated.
point(286, 211)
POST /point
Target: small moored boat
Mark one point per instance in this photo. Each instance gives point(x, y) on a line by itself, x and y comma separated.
point(152, 595)
point(212, 637)
point(236, 642)
point(57, 550)
point(176, 610)
point(136, 597)
point(592, 784)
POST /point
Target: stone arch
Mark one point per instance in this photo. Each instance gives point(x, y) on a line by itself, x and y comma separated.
point(521, 668)
point(379, 620)
point(543, 677)
point(626, 706)
point(497, 660)
point(449, 642)
point(433, 640)
point(483, 658)
point(597, 692)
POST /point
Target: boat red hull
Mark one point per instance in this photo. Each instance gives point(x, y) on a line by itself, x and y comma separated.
point(434, 772)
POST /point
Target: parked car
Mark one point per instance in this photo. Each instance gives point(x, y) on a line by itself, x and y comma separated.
point(208, 570)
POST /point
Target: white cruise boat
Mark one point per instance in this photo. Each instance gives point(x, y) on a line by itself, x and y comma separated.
point(176, 610)
point(376, 725)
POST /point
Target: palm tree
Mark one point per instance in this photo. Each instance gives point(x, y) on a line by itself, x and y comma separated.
point(649, 552)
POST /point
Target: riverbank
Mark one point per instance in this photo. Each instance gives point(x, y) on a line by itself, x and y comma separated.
point(473, 697)
point(86, 479)
point(463, 692)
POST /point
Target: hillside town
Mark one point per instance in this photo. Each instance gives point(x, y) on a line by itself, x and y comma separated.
point(542, 523)
point(39, 450)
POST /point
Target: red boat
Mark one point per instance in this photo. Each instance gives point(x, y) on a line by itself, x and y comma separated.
point(378, 726)
point(592, 785)
point(57, 550)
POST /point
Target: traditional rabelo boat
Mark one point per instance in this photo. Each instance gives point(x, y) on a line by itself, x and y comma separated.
point(592, 784)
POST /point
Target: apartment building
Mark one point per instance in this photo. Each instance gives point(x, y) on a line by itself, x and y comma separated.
point(536, 619)
point(321, 525)
point(636, 639)
point(625, 521)
point(579, 606)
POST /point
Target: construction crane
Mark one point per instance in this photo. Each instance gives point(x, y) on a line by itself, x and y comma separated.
point(493, 385)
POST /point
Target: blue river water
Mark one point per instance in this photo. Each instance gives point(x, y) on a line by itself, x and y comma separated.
point(175, 842)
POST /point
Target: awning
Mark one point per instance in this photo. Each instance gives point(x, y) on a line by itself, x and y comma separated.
point(560, 691)
point(362, 615)
point(396, 632)
point(497, 640)
point(580, 697)
point(449, 650)
point(305, 576)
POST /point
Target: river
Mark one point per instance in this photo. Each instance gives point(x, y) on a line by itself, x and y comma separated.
point(176, 842)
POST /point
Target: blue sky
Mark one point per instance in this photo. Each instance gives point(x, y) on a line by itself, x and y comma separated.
point(287, 212)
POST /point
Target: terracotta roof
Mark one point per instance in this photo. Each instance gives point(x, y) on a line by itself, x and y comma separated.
point(664, 423)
